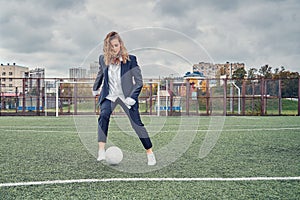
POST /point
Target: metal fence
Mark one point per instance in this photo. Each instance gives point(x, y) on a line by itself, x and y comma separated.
point(168, 97)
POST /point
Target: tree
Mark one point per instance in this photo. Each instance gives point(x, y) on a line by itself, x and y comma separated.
point(289, 83)
point(252, 73)
point(238, 75)
point(277, 73)
point(265, 71)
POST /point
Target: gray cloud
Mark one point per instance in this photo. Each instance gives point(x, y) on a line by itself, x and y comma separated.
point(60, 5)
point(62, 34)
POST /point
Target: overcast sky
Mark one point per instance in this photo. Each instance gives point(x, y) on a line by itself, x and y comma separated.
point(168, 36)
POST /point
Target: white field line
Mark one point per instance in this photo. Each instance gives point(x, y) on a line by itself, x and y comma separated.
point(3, 127)
point(36, 131)
point(169, 131)
point(131, 131)
point(226, 128)
point(169, 124)
point(148, 179)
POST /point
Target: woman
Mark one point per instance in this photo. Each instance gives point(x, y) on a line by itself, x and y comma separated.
point(121, 80)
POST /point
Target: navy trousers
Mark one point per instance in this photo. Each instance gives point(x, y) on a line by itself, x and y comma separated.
point(107, 107)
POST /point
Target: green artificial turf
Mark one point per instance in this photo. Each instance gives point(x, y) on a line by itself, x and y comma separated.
point(49, 148)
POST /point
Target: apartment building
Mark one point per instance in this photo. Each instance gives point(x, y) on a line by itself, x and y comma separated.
point(94, 68)
point(211, 70)
point(77, 72)
point(11, 75)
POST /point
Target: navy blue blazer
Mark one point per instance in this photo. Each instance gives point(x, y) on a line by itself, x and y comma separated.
point(131, 79)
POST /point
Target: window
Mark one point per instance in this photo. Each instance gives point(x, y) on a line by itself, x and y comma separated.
point(10, 85)
point(3, 73)
point(10, 73)
point(3, 79)
point(10, 79)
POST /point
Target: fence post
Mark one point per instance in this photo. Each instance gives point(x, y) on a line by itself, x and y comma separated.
point(207, 97)
point(24, 96)
point(262, 101)
point(150, 97)
point(243, 97)
point(69, 97)
point(253, 96)
point(75, 98)
point(16, 99)
point(171, 97)
point(60, 89)
point(279, 96)
point(57, 92)
point(38, 97)
point(265, 97)
point(0, 97)
point(298, 96)
point(187, 102)
point(225, 97)
point(43, 99)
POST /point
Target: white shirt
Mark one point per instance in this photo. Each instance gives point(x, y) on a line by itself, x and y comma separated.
point(114, 82)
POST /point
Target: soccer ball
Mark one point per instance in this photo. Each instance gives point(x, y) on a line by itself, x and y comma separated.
point(113, 155)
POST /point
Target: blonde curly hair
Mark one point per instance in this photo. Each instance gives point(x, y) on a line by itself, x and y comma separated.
point(107, 50)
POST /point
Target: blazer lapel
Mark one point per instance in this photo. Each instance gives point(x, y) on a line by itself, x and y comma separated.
point(105, 71)
point(124, 68)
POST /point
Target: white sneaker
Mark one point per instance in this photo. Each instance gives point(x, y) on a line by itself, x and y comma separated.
point(101, 155)
point(151, 159)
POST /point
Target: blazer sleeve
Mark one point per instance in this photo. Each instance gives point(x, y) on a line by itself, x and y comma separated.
point(99, 78)
point(137, 77)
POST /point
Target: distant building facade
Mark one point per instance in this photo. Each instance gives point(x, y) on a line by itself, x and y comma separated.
point(77, 72)
point(32, 77)
point(211, 70)
point(36, 73)
point(10, 77)
point(94, 68)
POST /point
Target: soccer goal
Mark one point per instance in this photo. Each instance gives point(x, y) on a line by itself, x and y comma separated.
point(75, 98)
